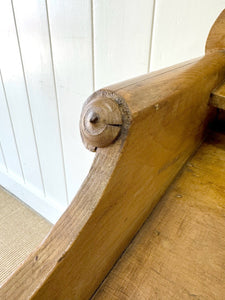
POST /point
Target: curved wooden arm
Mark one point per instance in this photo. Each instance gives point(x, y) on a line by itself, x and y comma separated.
point(216, 37)
point(164, 116)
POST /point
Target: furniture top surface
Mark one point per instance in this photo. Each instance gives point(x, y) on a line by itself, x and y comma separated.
point(179, 251)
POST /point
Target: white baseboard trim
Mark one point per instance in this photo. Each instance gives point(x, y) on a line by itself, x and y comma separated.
point(46, 207)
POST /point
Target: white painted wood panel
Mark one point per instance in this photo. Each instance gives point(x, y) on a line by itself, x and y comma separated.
point(54, 56)
point(2, 160)
point(33, 32)
point(181, 29)
point(71, 37)
point(18, 102)
point(50, 209)
point(7, 137)
point(122, 36)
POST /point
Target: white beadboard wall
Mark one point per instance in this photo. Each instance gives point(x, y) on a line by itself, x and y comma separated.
point(53, 55)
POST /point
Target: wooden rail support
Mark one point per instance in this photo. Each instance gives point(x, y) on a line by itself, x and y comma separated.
point(217, 98)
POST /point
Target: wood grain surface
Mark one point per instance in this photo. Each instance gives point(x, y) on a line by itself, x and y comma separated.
point(217, 98)
point(216, 37)
point(164, 119)
point(168, 113)
point(179, 252)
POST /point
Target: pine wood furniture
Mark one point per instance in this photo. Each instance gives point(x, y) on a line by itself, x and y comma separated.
point(144, 131)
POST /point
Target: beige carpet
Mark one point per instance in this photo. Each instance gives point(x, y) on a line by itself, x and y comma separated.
point(21, 231)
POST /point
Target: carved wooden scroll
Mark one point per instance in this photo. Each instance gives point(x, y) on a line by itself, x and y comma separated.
point(143, 130)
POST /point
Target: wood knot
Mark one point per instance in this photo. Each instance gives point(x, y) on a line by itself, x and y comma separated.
point(101, 122)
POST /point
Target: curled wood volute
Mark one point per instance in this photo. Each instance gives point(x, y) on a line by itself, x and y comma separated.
point(101, 122)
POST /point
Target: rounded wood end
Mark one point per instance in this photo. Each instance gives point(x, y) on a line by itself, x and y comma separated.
point(101, 122)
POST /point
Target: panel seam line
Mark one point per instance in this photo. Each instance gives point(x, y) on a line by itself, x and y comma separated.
point(93, 45)
point(57, 104)
point(151, 36)
point(3, 156)
point(28, 101)
point(14, 136)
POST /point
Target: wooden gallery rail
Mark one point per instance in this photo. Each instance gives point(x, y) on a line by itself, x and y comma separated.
point(143, 131)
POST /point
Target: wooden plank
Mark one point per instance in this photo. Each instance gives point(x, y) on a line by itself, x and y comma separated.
point(217, 98)
point(159, 133)
point(18, 103)
point(179, 252)
point(33, 32)
point(71, 37)
point(180, 30)
point(122, 35)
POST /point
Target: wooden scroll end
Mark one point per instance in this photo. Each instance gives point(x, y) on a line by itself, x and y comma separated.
point(216, 37)
point(101, 122)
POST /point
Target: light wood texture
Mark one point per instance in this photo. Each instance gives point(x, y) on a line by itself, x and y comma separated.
point(125, 182)
point(22, 230)
point(101, 122)
point(164, 118)
point(92, 43)
point(217, 98)
point(216, 38)
point(179, 252)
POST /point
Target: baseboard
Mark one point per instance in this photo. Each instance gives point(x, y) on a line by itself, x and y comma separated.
point(46, 207)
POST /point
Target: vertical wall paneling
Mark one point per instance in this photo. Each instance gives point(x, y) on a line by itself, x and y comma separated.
point(151, 36)
point(2, 160)
point(181, 29)
point(7, 137)
point(121, 38)
point(32, 26)
point(53, 55)
point(17, 100)
point(71, 39)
